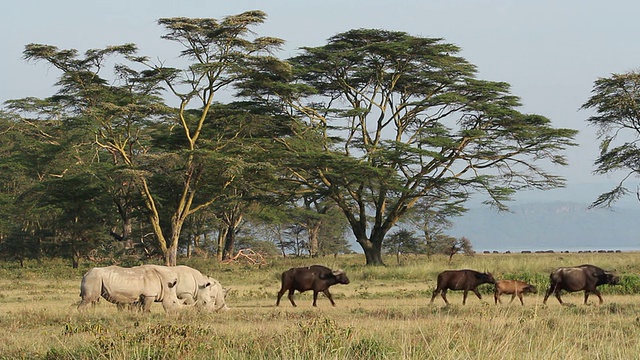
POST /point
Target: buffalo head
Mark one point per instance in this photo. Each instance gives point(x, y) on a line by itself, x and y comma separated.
point(486, 277)
point(340, 276)
point(612, 279)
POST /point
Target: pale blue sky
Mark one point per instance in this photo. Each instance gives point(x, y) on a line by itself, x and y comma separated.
point(549, 51)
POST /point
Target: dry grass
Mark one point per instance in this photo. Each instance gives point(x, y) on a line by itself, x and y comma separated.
point(383, 314)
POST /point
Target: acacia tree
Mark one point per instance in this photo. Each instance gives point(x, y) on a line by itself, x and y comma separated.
point(63, 204)
point(217, 51)
point(404, 241)
point(251, 156)
point(616, 100)
point(21, 158)
point(177, 171)
point(398, 116)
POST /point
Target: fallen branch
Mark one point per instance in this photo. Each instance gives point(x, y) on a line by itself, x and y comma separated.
point(247, 255)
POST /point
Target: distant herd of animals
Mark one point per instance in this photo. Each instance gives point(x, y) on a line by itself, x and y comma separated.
point(577, 278)
point(553, 252)
point(140, 286)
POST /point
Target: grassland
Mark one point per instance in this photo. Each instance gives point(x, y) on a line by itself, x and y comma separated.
point(383, 314)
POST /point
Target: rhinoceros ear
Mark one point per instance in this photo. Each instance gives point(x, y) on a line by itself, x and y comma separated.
point(172, 283)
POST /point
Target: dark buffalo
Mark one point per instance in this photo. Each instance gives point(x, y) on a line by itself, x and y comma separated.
point(317, 278)
point(461, 280)
point(583, 277)
point(513, 287)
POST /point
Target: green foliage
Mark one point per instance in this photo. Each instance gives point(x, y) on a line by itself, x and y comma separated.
point(124, 122)
point(404, 242)
point(297, 132)
point(432, 116)
point(629, 284)
point(616, 102)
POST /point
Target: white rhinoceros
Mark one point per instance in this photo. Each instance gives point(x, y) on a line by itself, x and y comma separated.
point(139, 285)
point(194, 288)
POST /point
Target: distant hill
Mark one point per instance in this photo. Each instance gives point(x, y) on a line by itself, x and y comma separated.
point(557, 226)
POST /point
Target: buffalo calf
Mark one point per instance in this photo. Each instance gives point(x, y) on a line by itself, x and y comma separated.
point(513, 287)
point(578, 278)
point(461, 280)
point(317, 278)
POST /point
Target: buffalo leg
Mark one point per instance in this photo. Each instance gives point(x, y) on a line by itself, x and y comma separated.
point(290, 296)
point(520, 297)
point(557, 293)
point(435, 293)
point(595, 292)
point(443, 293)
point(280, 293)
point(514, 296)
point(496, 297)
point(464, 297)
point(475, 291)
point(547, 294)
point(328, 294)
point(599, 296)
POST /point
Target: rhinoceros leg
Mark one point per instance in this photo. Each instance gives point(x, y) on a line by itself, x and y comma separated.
point(147, 301)
point(134, 306)
point(86, 301)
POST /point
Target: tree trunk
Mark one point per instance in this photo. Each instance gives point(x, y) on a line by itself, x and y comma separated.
point(171, 257)
point(232, 219)
point(373, 256)
point(171, 254)
point(75, 257)
point(313, 232)
point(372, 251)
point(229, 241)
point(127, 230)
point(372, 245)
point(222, 235)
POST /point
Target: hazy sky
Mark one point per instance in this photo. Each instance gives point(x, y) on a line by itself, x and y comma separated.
point(551, 52)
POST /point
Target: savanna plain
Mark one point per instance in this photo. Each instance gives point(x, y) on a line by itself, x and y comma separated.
point(384, 313)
